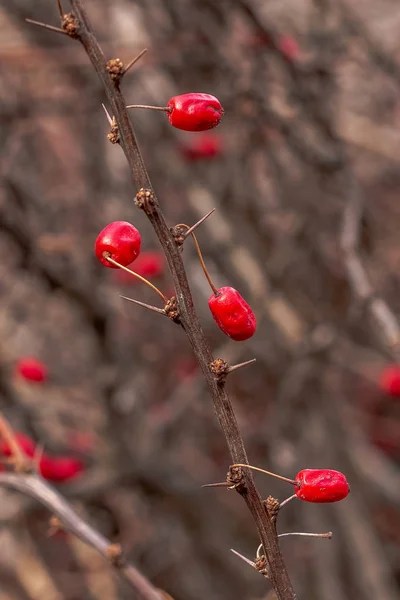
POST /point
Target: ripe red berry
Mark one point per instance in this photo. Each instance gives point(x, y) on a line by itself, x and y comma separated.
point(321, 485)
point(25, 443)
point(31, 369)
point(120, 241)
point(60, 468)
point(232, 314)
point(205, 146)
point(390, 381)
point(195, 112)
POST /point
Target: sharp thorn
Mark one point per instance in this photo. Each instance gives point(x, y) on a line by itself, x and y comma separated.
point(134, 61)
point(221, 484)
point(160, 311)
point(240, 365)
point(246, 560)
point(193, 227)
point(109, 119)
point(45, 26)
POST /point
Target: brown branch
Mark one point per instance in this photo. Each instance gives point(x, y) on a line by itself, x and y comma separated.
point(188, 317)
point(35, 487)
point(387, 325)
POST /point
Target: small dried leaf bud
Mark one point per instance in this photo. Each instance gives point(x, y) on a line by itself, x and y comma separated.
point(235, 476)
point(113, 136)
point(145, 200)
point(261, 565)
point(115, 67)
point(70, 25)
point(219, 368)
point(272, 506)
point(114, 554)
point(179, 234)
point(171, 309)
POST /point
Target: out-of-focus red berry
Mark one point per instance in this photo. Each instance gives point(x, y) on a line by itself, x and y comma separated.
point(232, 314)
point(60, 469)
point(195, 111)
point(321, 485)
point(202, 147)
point(289, 47)
point(148, 264)
point(26, 444)
point(390, 381)
point(31, 369)
point(120, 241)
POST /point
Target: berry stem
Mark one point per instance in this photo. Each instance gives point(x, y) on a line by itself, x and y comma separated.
point(287, 500)
point(292, 481)
point(60, 10)
point(203, 265)
point(114, 262)
point(163, 108)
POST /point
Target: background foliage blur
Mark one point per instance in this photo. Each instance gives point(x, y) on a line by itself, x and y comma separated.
point(309, 152)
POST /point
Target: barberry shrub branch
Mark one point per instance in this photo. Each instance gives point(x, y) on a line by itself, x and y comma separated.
point(146, 200)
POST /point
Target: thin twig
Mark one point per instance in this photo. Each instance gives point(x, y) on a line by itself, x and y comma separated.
point(35, 487)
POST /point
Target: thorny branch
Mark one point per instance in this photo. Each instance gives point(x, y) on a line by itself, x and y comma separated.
point(188, 317)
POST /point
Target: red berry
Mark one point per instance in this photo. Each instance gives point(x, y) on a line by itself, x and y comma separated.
point(289, 47)
point(390, 381)
point(321, 485)
point(31, 369)
point(195, 112)
point(25, 443)
point(120, 241)
point(203, 146)
point(60, 469)
point(232, 314)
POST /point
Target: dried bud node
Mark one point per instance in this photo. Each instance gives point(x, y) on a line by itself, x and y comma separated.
point(171, 310)
point(219, 368)
point(145, 199)
point(235, 477)
point(272, 505)
point(179, 233)
point(114, 554)
point(70, 25)
point(116, 68)
point(113, 136)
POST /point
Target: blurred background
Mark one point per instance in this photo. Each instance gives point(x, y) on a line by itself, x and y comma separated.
point(304, 173)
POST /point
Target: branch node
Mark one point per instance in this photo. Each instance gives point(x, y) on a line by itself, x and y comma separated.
point(116, 69)
point(114, 554)
point(272, 507)
point(235, 478)
point(146, 200)
point(70, 25)
point(220, 369)
point(171, 310)
point(179, 234)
